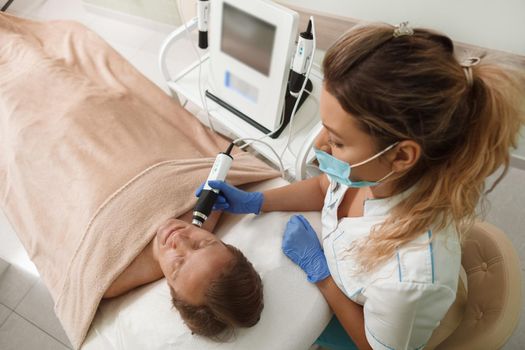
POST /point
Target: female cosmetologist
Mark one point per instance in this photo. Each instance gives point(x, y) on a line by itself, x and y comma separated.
point(410, 135)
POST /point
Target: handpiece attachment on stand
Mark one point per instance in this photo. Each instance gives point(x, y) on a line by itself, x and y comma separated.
point(302, 57)
point(203, 15)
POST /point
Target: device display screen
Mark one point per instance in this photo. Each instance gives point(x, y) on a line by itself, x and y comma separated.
point(247, 38)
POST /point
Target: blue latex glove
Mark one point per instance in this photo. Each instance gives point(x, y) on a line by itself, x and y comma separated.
point(301, 245)
point(233, 200)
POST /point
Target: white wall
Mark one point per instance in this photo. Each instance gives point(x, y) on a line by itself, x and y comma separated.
point(488, 23)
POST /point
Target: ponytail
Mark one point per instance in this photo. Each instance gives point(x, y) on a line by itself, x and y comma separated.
point(498, 101)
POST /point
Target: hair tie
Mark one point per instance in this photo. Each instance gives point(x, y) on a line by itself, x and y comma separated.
point(403, 29)
point(466, 65)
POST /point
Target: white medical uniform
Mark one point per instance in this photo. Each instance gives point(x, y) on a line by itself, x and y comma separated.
point(404, 299)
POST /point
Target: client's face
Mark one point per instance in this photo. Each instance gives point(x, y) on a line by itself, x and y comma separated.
point(190, 258)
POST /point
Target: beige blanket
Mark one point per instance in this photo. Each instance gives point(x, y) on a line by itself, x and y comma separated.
point(93, 157)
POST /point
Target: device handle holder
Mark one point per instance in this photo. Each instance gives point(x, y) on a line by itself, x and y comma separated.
point(177, 34)
point(302, 155)
point(169, 41)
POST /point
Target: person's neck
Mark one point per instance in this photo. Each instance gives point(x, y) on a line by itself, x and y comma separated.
point(154, 249)
point(153, 260)
point(383, 190)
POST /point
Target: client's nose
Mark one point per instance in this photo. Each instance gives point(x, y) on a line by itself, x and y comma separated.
point(181, 240)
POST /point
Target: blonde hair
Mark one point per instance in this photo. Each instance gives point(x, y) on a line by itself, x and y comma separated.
point(413, 88)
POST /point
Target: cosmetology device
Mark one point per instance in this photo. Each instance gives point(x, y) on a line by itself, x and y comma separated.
point(209, 195)
point(251, 45)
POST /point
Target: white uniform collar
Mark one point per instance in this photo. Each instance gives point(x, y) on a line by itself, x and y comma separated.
point(383, 206)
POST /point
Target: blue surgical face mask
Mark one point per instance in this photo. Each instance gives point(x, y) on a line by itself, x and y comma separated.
point(339, 170)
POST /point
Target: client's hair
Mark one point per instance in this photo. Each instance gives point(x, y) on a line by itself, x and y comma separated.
point(233, 299)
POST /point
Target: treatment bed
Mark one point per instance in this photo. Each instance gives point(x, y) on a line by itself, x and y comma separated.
point(294, 313)
point(93, 156)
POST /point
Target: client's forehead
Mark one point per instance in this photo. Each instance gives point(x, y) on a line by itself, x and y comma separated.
point(191, 281)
